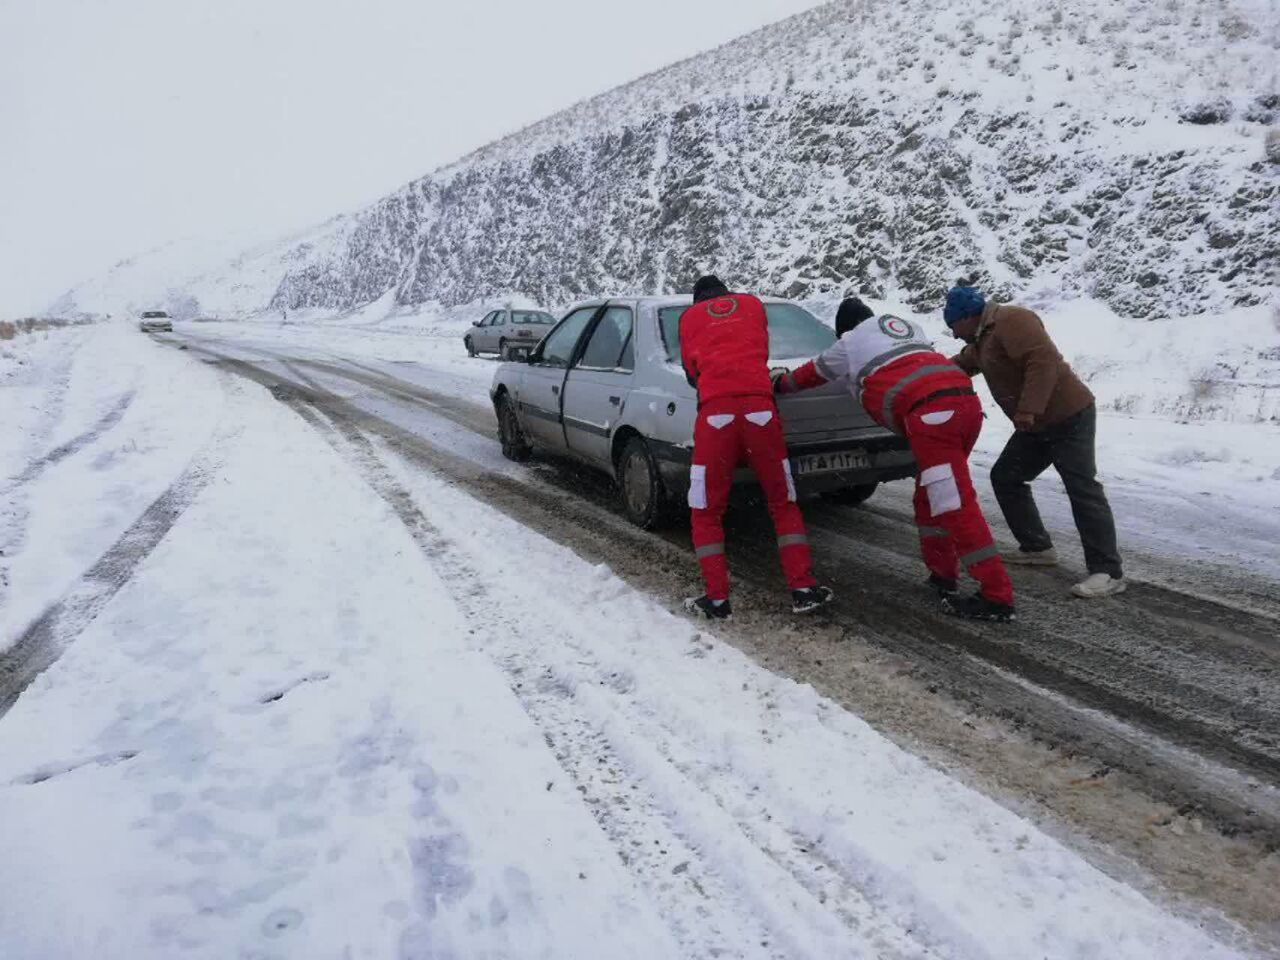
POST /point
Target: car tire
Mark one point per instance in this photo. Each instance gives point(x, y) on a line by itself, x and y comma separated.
point(644, 498)
point(471, 347)
point(852, 496)
point(505, 351)
point(515, 446)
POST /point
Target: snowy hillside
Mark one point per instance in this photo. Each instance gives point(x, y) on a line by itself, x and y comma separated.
point(876, 144)
point(1116, 150)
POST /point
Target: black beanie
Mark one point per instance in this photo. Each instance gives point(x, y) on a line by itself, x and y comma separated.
point(851, 313)
point(708, 287)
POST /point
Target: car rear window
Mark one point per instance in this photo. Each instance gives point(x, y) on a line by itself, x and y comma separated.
point(532, 316)
point(794, 332)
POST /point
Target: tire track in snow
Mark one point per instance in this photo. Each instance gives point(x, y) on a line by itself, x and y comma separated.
point(991, 666)
point(686, 848)
point(13, 512)
point(40, 645)
point(108, 420)
point(1090, 648)
point(896, 655)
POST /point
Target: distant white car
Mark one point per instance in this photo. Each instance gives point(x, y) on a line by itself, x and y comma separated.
point(510, 334)
point(155, 321)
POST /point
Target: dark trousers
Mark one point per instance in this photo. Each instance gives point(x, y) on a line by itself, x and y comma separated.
point(1069, 447)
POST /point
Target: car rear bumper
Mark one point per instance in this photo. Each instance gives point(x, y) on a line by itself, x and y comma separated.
point(889, 458)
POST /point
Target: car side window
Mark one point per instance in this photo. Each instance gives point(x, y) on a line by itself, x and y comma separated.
point(610, 345)
point(669, 321)
point(500, 318)
point(557, 349)
point(488, 319)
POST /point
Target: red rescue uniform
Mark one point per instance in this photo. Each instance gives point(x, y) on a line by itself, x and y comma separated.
point(907, 387)
point(724, 345)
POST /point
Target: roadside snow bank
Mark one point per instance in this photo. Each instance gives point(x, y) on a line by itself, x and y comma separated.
point(274, 741)
point(103, 422)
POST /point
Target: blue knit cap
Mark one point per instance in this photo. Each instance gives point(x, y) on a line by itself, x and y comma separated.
point(962, 303)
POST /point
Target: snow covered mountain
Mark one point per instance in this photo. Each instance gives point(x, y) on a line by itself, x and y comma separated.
point(1065, 148)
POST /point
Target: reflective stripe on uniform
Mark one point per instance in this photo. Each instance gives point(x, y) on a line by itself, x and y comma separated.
point(821, 365)
point(926, 532)
point(793, 540)
point(710, 550)
point(919, 373)
point(875, 363)
point(975, 558)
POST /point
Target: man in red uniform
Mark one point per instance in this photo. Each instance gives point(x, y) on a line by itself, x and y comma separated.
point(906, 386)
point(724, 345)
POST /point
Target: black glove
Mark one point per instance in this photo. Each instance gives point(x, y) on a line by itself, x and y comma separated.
point(776, 375)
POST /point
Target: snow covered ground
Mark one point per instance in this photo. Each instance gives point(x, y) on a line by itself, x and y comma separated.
point(323, 704)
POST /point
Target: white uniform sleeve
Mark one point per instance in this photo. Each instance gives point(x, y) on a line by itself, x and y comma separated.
point(833, 363)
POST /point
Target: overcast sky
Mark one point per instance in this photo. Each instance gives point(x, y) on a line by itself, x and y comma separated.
point(127, 123)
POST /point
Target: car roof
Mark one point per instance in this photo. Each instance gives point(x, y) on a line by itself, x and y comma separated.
point(668, 300)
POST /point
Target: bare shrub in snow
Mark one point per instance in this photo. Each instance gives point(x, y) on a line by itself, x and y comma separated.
point(1263, 109)
point(1127, 403)
point(1235, 27)
point(1183, 456)
point(1204, 112)
point(1202, 389)
point(1271, 145)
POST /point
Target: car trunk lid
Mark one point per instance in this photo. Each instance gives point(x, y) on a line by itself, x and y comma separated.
point(824, 414)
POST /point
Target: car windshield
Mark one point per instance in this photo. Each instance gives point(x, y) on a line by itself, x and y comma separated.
point(155, 315)
point(532, 316)
point(794, 332)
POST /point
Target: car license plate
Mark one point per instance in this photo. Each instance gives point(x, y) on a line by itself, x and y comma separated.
point(829, 462)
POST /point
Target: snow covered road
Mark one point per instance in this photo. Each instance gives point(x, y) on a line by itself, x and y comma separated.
point(364, 689)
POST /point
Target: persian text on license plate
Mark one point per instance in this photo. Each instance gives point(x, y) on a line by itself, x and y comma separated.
point(827, 462)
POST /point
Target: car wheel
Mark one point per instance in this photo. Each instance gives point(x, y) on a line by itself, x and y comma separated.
point(852, 496)
point(504, 351)
point(515, 446)
point(471, 347)
point(640, 484)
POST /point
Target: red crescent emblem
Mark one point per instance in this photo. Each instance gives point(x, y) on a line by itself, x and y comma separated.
point(895, 327)
point(722, 307)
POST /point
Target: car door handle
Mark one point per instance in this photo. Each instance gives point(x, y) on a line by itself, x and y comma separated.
point(615, 400)
point(556, 391)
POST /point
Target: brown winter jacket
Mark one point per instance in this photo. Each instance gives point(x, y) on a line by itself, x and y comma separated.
point(1024, 369)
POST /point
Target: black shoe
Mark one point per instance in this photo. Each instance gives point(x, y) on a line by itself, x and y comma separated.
point(979, 607)
point(943, 587)
point(705, 607)
point(811, 599)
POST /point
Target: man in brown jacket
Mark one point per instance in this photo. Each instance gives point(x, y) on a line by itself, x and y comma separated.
point(1055, 418)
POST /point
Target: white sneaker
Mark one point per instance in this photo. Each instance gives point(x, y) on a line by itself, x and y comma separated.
point(1099, 585)
point(1033, 558)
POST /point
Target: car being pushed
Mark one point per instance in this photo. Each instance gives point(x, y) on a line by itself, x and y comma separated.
point(155, 321)
point(606, 387)
point(509, 333)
